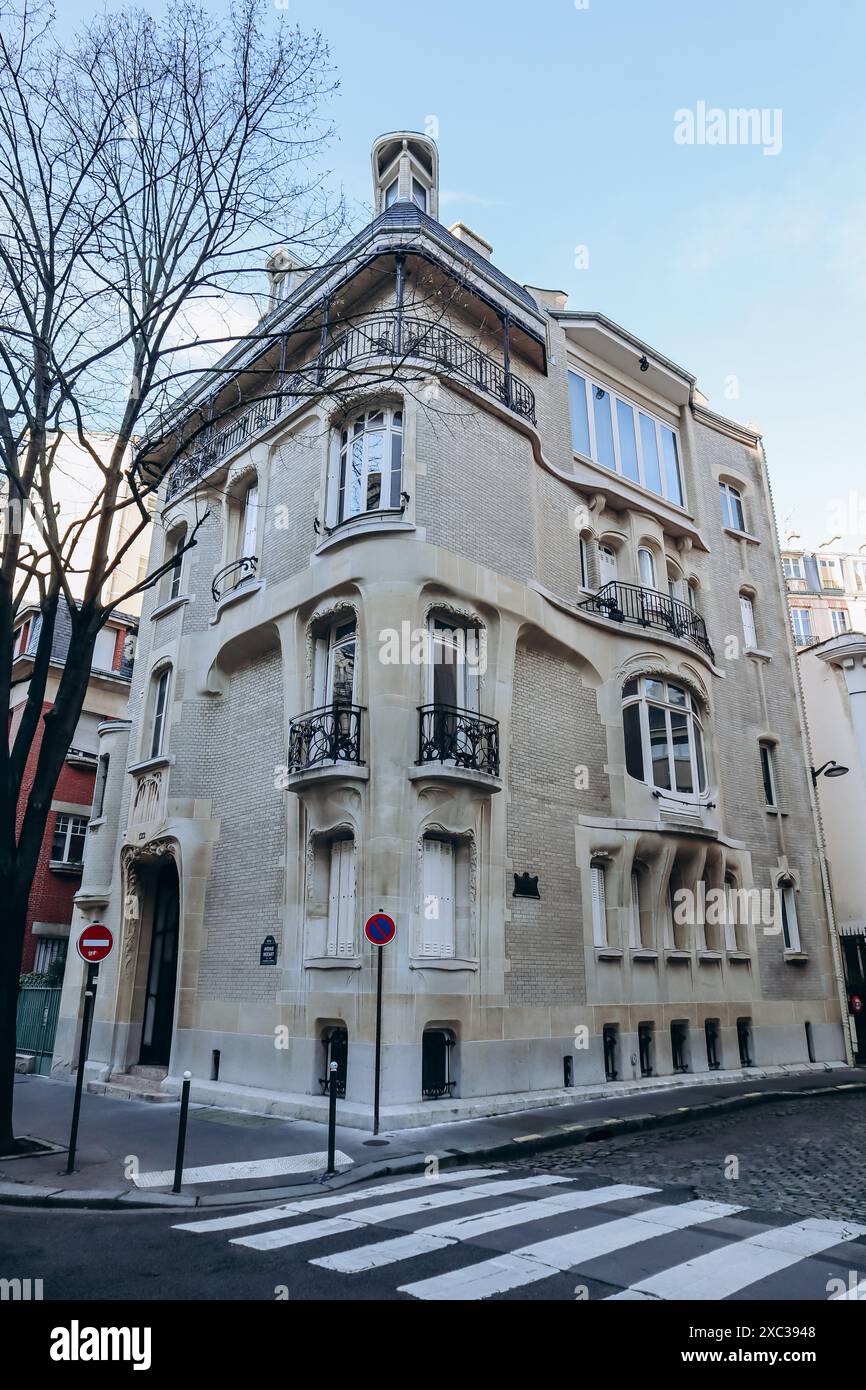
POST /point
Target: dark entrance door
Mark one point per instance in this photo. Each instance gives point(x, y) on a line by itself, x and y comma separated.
point(161, 972)
point(854, 948)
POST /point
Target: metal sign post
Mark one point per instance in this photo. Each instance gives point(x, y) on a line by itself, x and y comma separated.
point(379, 931)
point(93, 945)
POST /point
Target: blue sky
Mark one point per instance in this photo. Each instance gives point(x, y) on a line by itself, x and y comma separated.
point(556, 130)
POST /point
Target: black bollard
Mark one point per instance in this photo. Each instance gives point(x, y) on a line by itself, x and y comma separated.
point(332, 1118)
point(181, 1131)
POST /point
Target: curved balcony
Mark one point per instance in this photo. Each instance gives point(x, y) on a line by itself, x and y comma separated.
point(633, 603)
point(326, 742)
point(394, 336)
point(457, 744)
point(233, 576)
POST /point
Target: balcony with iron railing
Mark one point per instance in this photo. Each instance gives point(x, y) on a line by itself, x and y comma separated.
point(648, 608)
point(392, 336)
point(458, 744)
point(234, 577)
point(326, 742)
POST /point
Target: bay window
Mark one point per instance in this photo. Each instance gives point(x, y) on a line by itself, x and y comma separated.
point(664, 744)
point(617, 434)
point(370, 465)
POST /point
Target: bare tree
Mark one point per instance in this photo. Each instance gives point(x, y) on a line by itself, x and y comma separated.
point(143, 170)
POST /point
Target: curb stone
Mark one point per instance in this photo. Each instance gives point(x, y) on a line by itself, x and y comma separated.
point(518, 1146)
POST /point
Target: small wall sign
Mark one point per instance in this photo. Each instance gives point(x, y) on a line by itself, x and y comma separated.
point(268, 951)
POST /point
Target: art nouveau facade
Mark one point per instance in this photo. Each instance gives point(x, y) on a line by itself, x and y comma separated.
point(473, 634)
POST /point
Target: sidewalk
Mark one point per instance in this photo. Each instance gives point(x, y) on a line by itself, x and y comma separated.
point(120, 1139)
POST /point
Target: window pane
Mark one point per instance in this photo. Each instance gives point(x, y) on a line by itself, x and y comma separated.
point(343, 672)
point(699, 758)
point(579, 416)
point(682, 752)
point(767, 775)
point(627, 441)
point(603, 428)
point(396, 464)
point(673, 482)
point(651, 471)
point(677, 695)
point(659, 750)
point(630, 688)
point(375, 443)
point(633, 750)
point(647, 568)
point(58, 844)
point(655, 690)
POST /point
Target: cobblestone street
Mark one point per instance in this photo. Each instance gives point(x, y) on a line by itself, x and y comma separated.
point(805, 1157)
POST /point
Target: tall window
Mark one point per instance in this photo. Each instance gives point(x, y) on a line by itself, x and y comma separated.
point(454, 669)
point(70, 832)
point(609, 429)
point(634, 931)
point(664, 742)
point(730, 913)
point(338, 677)
point(607, 566)
point(371, 463)
point(646, 567)
point(391, 193)
point(801, 621)
point(419, 195)
point(768, 774)
point(732, 507)
point(599, 905)
point(747, 614)
point(250, 522)
point(790, 924)
point(828, 569)
point(175, 575)
point(438, 907)
point(99, 787)
point(584, 563)
point(160, 705)
point(840, 620)
point(103, 650)
point(341, 899)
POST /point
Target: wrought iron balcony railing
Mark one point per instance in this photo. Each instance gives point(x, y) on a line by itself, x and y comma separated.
point(458, 737)
point(232, 576)
point(390, 335)
point(330, 734)
point(633, 603)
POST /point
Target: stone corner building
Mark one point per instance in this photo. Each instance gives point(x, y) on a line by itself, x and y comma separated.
point(486, 629)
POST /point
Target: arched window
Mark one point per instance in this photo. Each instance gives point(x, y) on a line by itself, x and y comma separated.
point(607, 565)
point(664, 742)
point(159, 712)
point(747, 615)
point(173, 579)
point(646, 567)
point(732, 506)
point(371, 463)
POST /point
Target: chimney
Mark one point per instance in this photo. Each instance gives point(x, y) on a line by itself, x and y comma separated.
point(471, 239)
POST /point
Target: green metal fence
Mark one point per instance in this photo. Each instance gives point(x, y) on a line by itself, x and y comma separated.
point(36, 1023)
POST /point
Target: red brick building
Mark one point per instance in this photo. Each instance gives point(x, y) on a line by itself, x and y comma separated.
point(58, 876)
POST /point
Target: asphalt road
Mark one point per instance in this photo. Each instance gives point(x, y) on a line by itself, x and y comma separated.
point(657, 1216)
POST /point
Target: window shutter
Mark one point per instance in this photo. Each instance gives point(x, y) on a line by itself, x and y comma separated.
point(599, 914)
point(437, 931)
point(748, 616)
point(341, 899)
point(332, 496)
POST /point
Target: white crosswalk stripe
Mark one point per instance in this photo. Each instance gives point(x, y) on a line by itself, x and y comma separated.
point(369, 1216)
point(723, 1272)
point(330, 1199)
point(428, 1238)
point(701, 1261)
point(544, 1258)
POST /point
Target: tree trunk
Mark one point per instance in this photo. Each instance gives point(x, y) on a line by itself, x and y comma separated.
point(11, 944)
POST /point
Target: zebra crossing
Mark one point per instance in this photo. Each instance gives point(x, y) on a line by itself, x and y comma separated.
point(479, 1243)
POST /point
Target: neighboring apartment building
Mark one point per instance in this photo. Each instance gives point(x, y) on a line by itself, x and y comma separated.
point(58, 874)
point(826, 592)
point(510, 595)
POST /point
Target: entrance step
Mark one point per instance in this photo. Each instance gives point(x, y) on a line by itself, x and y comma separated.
point(152, 1073)
point(139, 1083)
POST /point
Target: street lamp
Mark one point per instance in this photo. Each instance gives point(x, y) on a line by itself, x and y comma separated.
point(828, 769)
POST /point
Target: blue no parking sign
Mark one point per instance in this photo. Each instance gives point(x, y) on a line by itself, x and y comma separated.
point(380, 929)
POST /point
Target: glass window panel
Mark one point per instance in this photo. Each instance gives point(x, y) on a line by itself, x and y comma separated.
point(647, 568)
point(700, 759)
point(677, 695)
point(655, 690)
point(579, 415)
point(627, 441)
point(396, 467)
point(673, 482)
point(659, 748)
point(630, 688)
point(343, 671)
point(682, 752)
point(603, 428)
point(651, 470)
point(375, 445)
point(633, 749)
point(356, 478)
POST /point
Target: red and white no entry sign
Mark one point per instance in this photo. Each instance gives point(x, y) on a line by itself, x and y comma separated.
point(95, 943)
